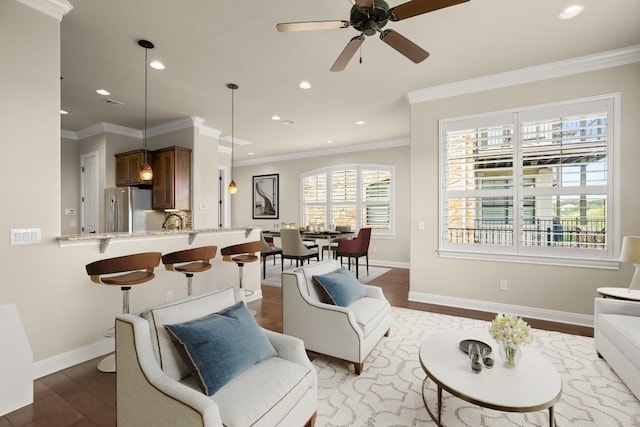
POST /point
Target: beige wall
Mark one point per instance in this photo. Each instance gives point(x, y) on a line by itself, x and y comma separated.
point(392, 251)
point(64, 314)
point(547, 287)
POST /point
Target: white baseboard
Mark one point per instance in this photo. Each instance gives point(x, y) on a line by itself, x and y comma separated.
point(494, 307)
point(384, 263)
point(70, 358)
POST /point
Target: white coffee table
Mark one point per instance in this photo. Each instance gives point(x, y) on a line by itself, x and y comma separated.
point(531, 386)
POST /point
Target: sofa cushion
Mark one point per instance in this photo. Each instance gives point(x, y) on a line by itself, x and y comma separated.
point(221, 346)
point(624, 331)
point(369, 312)
point(177, 312)
point(342, 286)
point(273, 387)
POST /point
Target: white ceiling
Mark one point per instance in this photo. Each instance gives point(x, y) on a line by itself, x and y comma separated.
point(206, 44)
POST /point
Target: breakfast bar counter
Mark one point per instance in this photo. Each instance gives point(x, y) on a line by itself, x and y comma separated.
point(105, 238)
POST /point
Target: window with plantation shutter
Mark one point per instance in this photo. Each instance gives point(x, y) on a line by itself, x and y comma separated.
point(356, 196)
point(531, 183)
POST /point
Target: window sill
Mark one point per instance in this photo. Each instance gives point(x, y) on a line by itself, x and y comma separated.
point(605, 264)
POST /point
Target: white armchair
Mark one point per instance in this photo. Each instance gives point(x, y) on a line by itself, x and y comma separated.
point(155, 387)
point(348, 333)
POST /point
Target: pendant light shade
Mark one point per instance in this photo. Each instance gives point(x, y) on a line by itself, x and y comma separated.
point(146, 173)
point(233, 188)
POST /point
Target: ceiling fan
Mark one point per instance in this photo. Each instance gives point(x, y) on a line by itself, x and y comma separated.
point(369, 17)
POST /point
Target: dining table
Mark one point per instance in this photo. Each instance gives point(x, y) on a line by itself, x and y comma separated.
point(330, 235)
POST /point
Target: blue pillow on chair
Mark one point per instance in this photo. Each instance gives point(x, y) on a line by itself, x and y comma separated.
point(221, 346)
point(342, 286)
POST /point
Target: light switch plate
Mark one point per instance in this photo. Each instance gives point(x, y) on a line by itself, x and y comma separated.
point(26, 236)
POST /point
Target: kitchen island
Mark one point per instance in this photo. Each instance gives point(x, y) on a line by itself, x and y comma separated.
point(84, 311)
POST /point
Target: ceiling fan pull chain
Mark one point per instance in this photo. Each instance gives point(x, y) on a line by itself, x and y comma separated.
point(361, 54)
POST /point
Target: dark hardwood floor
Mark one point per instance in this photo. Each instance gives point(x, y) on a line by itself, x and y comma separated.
point(82, 396)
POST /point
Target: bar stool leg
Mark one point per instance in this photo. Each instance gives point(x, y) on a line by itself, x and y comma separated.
point(189, 283)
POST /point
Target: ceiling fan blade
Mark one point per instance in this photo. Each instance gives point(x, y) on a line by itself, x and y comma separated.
point(347, 53)
point(418, 7)
point(311, 25)
point(364, 4)
point(403, 45)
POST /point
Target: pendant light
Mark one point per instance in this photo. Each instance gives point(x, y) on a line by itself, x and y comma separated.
point(233, 188)
point(146, 173)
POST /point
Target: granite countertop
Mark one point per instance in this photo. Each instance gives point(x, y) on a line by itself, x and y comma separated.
point(123, 235)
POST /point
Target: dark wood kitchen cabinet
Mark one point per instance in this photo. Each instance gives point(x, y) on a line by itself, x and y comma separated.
point(128, 168)
point(172, 178)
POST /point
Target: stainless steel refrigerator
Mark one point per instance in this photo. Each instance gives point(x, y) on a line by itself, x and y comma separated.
point(128, 209)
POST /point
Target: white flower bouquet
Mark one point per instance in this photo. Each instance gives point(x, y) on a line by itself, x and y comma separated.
point(511, 332)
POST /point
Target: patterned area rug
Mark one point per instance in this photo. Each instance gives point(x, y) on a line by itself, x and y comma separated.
point(274, 273)
point(388, 392)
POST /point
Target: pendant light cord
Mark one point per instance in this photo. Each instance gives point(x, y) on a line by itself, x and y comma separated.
point(146, 51)
point(232, 124)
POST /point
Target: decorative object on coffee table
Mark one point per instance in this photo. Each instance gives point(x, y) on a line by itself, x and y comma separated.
point(511, 332)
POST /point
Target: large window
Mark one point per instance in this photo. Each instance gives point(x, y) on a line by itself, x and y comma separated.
point(356, 196)
point(534, 182)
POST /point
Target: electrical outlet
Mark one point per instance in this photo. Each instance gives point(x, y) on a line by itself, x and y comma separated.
point(169, 296)
point(503, 285)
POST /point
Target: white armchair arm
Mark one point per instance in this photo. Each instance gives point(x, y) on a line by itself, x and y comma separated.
point(374, 292)
point(616, 306)
point(146, 395)
point(290, 348)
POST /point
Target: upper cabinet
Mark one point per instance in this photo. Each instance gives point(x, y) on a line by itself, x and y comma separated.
point(172, 178)
point(128, 167)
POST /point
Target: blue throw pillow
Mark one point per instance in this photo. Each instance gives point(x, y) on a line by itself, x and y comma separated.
point(342, 286)
point(220, 346)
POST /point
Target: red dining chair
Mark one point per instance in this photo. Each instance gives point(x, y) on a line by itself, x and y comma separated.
point(355, 248)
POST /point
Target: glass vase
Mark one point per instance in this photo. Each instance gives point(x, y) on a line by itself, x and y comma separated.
point(510, 354)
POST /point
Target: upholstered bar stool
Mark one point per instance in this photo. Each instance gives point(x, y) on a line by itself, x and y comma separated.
point(197, 260)
point(136, 269)
point(241, 254)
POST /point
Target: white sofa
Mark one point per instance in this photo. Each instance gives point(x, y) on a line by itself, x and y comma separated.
point(155, 387)
point(617, 338)
point(348, 333)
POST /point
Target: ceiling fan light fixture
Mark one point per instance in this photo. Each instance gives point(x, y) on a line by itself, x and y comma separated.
point(103, 92)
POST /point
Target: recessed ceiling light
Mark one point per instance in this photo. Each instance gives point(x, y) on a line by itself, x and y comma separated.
point(571, 12)
point(304, 85)
point(103, 92)
point(63, 112)
point(157, 65)
point(329, 141)
point(360, 122)
point(251, 153)
point(275, 118)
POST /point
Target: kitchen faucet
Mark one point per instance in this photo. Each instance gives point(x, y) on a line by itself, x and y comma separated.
point(164, 224)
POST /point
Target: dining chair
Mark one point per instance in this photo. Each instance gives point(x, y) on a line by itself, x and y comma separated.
point(267, 251)
point(355, 248)
point(294, 248)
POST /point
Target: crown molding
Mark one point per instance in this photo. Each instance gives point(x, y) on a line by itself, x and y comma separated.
point(224, 149)
point(104, 127)
point(162, 129)
point(326, 152)
point(54, 8)
point(237, 141)
point(582, 64)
